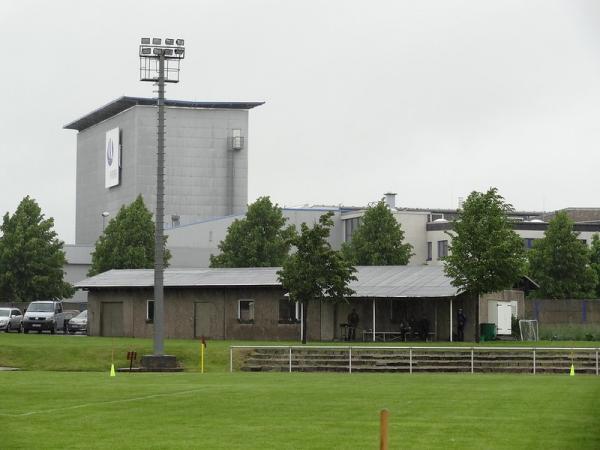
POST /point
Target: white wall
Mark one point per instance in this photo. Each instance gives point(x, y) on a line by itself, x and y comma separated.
point(413, 224)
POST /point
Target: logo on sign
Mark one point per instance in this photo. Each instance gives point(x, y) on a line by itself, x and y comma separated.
point(110, 151)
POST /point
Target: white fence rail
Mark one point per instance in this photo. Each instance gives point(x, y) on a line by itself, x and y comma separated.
point(355, 350)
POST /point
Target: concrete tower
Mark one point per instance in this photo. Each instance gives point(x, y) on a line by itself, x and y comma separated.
point(206, 162)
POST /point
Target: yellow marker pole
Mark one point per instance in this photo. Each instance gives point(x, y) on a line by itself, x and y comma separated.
point(201, 357)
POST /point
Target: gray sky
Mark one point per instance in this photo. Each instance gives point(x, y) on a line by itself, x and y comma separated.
point(429, 99)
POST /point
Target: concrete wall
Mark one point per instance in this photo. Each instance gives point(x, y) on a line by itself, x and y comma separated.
point(92, 198)
point(562, 312)
point(191, 245)
point(434, 237)
point(203, 177)
point(413, 224)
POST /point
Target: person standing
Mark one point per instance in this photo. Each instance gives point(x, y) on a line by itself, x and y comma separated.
point(461, 320)
point(353, 320)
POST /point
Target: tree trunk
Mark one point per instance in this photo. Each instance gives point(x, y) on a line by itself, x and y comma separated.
point(304, 320)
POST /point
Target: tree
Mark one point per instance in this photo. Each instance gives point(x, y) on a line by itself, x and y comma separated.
point(258, 240)
point(31, 256)
point(595, 260)
point(378, 240)
point(128, 241)
point(486, 255)
point(560, 262)
point(315, 271)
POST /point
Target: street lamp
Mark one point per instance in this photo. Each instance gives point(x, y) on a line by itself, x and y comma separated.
point(160, 64)
point(105, 214)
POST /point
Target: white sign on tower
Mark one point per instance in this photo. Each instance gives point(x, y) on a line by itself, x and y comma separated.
point(112, 158)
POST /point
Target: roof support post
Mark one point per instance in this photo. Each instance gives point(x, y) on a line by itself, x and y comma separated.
point(450, 319)
point(373, 319)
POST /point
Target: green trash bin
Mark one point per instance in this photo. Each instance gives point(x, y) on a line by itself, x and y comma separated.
point(488, 331)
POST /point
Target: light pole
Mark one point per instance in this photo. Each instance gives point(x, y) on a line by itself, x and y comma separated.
point(160, 64)
point(105, 214)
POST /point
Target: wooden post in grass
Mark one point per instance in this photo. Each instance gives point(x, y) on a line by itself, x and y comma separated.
point(383, 429)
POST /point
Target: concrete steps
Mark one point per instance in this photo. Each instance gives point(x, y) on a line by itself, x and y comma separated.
point(369, 360)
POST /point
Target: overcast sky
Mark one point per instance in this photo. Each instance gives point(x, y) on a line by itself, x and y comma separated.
point(429, 99)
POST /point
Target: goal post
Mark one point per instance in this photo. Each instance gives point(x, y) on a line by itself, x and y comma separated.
point(529, 330)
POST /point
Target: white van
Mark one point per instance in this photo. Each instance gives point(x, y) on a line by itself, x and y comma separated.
point(44, 315)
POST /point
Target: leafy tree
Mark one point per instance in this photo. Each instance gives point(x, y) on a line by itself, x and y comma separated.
point(595, 260)
point(378, 240)
point(316, 271)
point(486, 255)
point(258, 240)
point(31, 256)
point(127, 241)
point(560, 262)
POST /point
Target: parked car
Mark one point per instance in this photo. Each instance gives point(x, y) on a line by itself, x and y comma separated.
point(11, 319)
point(78, 323)
point(44, 315)
point(68, 314)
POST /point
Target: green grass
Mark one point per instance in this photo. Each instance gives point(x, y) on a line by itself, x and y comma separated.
point(84, 353)
point(298, 411)
point(64, 398)
point(578, 332)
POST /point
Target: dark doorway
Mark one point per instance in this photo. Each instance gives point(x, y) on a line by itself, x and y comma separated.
point(111, 319)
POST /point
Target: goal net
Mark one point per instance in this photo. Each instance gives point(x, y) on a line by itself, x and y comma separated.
point(529, 330)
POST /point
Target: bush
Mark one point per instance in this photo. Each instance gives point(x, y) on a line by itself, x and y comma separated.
point(570, 332)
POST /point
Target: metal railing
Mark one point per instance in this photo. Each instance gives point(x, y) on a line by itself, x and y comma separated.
point(411, 359)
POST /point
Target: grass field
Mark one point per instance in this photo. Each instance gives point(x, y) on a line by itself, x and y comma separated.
point(297, 411)
point(84, 353)
point(65, 399)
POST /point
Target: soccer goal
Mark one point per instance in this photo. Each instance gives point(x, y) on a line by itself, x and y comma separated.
point(529, 330)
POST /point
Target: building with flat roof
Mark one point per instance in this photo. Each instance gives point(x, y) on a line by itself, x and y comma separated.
point(206, 160)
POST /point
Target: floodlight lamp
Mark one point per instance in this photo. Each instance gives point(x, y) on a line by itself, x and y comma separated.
point(156, 41)
point(168, 51)
point(179, 51)
point(146, 51)
point(157, 51)
point(179, 41)
point(169, 41)
point(105, 214)
point(145, 41)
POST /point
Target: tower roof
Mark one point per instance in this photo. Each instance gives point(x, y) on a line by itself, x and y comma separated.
point(123, 103)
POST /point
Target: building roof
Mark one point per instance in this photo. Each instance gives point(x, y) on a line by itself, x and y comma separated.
point(122, 103)
point(373, 281)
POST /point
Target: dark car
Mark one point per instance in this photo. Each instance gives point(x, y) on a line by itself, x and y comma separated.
point(78, 323)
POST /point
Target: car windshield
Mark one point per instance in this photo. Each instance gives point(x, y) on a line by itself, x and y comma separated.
point(81, 315)
point(41, 307)
point(3, 312)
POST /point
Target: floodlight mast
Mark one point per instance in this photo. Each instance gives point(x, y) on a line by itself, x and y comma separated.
point(149, 54)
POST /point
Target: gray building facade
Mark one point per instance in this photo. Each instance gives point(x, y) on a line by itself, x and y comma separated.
point(206, 161)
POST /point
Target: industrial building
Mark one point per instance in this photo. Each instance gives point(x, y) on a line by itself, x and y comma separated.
point(206, 161)
point(206, 190)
